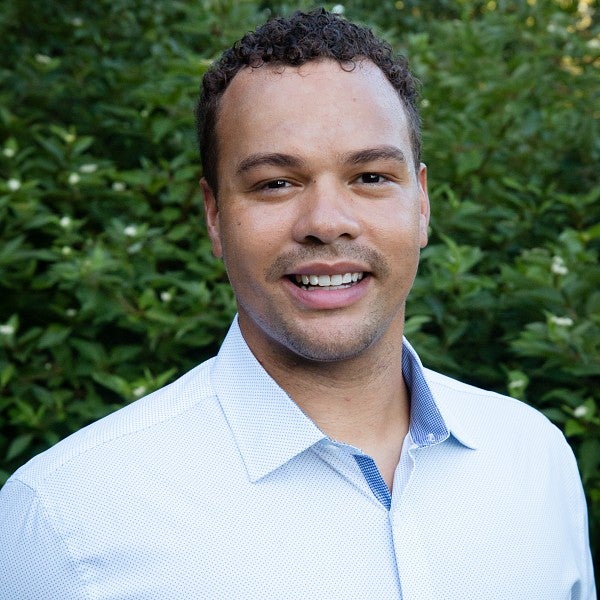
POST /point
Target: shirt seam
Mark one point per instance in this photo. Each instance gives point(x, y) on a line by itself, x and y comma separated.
point(23, 478)
point(47, 513)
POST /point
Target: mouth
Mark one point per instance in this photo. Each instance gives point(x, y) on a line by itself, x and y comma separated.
point(336, 281)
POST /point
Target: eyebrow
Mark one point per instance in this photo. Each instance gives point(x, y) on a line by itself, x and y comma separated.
point(279, 159)
point(377, 153)
point(274, 159)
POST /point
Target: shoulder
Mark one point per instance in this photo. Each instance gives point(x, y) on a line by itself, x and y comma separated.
point(141, 423)
point(84, 496)
point(510, 436)
point(469, 398)
point(492, 417)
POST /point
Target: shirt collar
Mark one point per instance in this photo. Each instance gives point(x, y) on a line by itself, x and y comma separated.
point(431, 417)
point(270, 429)
point(268, 426)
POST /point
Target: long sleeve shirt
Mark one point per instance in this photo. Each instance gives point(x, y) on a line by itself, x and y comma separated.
point(218, 486)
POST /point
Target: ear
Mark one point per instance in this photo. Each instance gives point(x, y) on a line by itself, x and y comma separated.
point(211, 211)
point(425, 209)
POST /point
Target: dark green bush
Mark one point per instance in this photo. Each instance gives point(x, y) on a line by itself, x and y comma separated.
point(107, 285)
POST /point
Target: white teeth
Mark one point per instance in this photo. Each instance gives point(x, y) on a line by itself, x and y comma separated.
point(331, 281)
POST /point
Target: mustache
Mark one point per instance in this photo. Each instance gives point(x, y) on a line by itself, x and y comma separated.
point(285, 263)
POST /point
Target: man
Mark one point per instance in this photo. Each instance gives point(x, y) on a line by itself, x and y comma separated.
point(314, 457)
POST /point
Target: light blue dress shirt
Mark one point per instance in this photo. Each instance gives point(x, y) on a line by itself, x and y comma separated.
point(219, 487)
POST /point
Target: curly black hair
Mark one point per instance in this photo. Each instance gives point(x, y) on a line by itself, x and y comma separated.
point(294, 41)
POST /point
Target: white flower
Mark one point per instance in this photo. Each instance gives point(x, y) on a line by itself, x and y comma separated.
point(9, 152)
point(89, 168)
point(580, 411)
point(74, 178)
point(517, 384)
point(65, 222)
point(66, 250)
point(7, 329)
point(77, 21)
point(130, 231)
point(139, 391)
point(13, 184)
point(558, 266)
point(561, 321)
point(71, 312)
point(594, 44)
point(43, 59)
point(166, 296)
point(118, 186)
point(338, 9)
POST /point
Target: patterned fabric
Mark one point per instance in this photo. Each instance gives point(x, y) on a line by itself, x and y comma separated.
point(218, 486)
point(374, 479)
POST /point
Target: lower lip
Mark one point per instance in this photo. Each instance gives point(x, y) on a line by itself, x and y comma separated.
point(325, 299)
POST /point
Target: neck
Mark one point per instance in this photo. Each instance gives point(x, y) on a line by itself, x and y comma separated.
point(362, 401)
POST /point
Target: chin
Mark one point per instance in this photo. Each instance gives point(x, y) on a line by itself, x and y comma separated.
point(329, 351)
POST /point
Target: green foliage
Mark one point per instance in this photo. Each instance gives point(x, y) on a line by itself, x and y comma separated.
point(107, 285)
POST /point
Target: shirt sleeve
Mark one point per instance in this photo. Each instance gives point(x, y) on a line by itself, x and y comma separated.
point(34, 561)
point(588, 591)
point(578, 508)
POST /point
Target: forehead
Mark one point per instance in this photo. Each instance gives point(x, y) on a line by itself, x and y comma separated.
point(360, 77)
point(318, 107)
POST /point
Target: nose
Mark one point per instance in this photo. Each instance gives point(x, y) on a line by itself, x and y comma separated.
point(326, 213)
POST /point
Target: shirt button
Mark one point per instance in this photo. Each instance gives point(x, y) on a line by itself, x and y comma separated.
point(430, 438)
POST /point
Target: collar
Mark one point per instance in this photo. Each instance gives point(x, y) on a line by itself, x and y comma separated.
point(268, 426)
point(432, 419)
point(270, 429)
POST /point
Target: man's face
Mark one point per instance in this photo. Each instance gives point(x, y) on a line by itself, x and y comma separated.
point(320, 214)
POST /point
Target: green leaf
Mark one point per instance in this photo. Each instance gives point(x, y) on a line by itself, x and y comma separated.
point(6, 374)
point(589, 459)
point(18, 446)
point(53, 336)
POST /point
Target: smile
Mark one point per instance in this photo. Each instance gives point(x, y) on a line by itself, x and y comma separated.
point(330, 282)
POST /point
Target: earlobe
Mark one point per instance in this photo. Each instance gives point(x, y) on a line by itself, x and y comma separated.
point(211, 211)
point(425, 208)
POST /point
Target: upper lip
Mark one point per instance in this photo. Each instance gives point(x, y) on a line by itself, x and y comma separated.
point(319, 268)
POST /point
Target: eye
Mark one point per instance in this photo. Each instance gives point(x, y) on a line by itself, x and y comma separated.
point(276, 184)
point(371, 178)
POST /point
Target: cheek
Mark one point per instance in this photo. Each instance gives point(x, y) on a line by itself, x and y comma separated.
point(260, 228)
point(396, 228)
point(247, 245)
point(400, 243)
